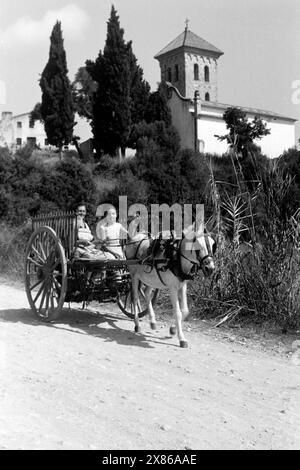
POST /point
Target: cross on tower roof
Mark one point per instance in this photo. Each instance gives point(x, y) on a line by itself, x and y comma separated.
point(187, 23)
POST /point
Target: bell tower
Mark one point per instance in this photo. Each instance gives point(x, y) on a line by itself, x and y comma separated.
point(190, 63)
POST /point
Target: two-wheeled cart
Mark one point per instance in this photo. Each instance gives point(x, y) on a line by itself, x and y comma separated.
point(53, 275)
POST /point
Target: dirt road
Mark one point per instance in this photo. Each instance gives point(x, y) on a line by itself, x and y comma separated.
point(89, 382)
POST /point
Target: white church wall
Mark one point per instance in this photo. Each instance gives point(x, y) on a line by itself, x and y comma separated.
point(281, 138)
point(207, 129)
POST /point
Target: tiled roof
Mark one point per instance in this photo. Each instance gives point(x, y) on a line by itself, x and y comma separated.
point(189, 39)
point(246, 109)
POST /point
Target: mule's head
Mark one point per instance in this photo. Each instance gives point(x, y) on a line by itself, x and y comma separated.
point(199, 249)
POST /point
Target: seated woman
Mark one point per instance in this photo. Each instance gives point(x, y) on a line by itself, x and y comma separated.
point(85, 248)
point(110, 233)
point(84, 233)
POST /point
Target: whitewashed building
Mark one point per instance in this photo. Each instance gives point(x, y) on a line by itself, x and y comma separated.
point(189, 64)
point(16, 131)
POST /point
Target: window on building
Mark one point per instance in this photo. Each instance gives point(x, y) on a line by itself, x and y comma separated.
point(31, 124)
point(206, 73)
point(19, 141)
point(196, 72)
point(169, 74)
point(31, 141)
point(46, 141)
point(176, 73)
point(207, 97)
point(19, 124)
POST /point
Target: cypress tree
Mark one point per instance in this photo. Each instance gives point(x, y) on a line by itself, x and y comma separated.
point(57, 109)
point(112, 107)
point(139, 88)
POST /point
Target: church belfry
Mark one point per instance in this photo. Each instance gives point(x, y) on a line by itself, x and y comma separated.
point(190, 63)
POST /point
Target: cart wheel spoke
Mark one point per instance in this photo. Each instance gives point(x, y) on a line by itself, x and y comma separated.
point(39, 293)
point(52, 301)
point(56, 284)
point(37, 254)
point(55, 289)
point(34, 261)
point(47, 301)
point(42, 250)
point(36, 284)
point(42, 300)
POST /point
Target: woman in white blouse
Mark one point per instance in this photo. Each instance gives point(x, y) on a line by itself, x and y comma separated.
point(111, 232)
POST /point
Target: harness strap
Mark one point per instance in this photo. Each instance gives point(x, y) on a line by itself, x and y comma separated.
point(159, 275)
point(175, 265)
point(183, 275)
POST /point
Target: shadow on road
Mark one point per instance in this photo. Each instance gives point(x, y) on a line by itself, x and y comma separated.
point(102, 325)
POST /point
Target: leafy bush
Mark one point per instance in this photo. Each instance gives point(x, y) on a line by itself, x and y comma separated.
point(128, 185)
point(69, 184)
point(106, 166)
point(5, 204)
point(290, 163)
point(30, 184)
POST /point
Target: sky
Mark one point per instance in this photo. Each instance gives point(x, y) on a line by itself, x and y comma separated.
point(260, 39)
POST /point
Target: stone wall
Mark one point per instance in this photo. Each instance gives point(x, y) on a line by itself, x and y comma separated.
point(182, 117)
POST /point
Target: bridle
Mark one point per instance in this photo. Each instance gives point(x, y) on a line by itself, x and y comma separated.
point(200, 260)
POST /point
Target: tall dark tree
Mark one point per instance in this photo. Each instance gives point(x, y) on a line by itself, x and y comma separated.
point(139, 88)
point(57, 108)
point(112, 105)
point(35, 114)
point(84, 88)
point(157, 107)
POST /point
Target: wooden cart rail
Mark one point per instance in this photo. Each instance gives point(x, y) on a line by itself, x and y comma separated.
point(65, 226)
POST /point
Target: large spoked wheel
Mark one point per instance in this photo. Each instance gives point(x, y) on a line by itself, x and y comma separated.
point(45, 274)
point(125, 301)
